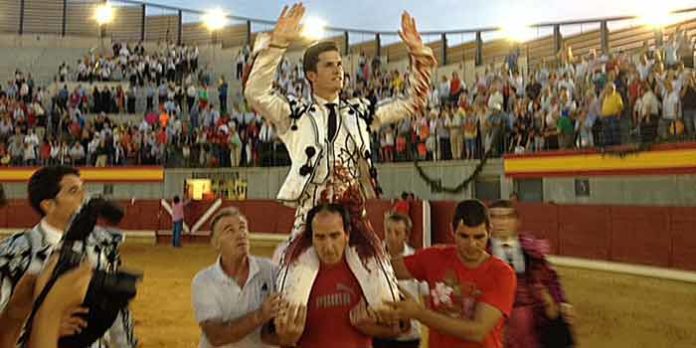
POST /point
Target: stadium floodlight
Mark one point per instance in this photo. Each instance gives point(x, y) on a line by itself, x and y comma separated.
point(655, 14)
point(517, 32)
point(313, 28)
point(104, 14)
point(215, 19)
point(657, 18)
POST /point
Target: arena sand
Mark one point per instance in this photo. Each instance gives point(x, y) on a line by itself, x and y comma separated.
point(613, 310)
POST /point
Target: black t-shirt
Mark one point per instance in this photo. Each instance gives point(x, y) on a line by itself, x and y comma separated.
point(689, 99)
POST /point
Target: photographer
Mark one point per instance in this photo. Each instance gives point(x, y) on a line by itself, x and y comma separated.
point(57, 193)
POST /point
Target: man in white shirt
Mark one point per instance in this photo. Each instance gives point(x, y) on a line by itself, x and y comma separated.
point(190, 96)
point(81, 71)
point(240, 65)
point(29, 155)
point(644, 67)
point(517, 81)
point(77, 153)
point(434, 99)
point(56, 193)
point(649, 113)
point(671, 49)
point(671, 105)
point(234, 297)
point(31, 139)
point(496, 97)
point(63, 71)
point(397, 232)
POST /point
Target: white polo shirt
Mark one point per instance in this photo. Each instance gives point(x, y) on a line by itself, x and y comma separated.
point(216, 296)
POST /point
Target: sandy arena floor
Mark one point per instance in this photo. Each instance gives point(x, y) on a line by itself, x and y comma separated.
point(613, 310)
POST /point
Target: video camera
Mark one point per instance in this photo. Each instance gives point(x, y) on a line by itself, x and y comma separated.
point(109, 291)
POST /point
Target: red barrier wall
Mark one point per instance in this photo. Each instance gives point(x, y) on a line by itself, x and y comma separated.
point(655, 236)
point(417, 219)
point(683, 237)
point(264, 216)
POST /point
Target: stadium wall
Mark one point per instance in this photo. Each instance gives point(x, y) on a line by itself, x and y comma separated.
point(653, 236)
point(264, 183)
point(265, 216)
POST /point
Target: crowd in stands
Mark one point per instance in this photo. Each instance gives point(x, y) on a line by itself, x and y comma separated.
point(573, 102)
point(134, 64)
point(569, 102)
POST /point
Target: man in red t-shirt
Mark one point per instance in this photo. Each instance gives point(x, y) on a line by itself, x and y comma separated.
point(471, 292)
point(336, 314)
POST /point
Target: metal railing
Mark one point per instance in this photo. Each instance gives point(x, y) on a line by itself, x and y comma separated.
point(139, 21)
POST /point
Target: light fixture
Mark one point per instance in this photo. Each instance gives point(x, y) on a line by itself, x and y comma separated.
point(215, 19)
point(313, 28)
point(517, 32)
point(657, 18)
point(104, 14)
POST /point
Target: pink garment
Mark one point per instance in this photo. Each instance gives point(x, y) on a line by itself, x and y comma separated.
point(521, 331)
point(178, 211)
point(151, 118)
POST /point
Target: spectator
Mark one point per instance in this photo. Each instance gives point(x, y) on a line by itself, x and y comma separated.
point(240, 64)
point(671, 49)
point(102, 154)
point(150, 98)
point(612, 107)
point(32, 140)
point(688, 104)
point(64, 157)
point(455, 124)
point(222, 94)
point(670, 112)
point(686, 46)
point(456, 88)
point(387, 143)
point(470, 135)
point(495, 127)
point(443, 135)
point(444, 91)
point(16, 148)
point(29, 155)
point(77, 154)
point(649, 115)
